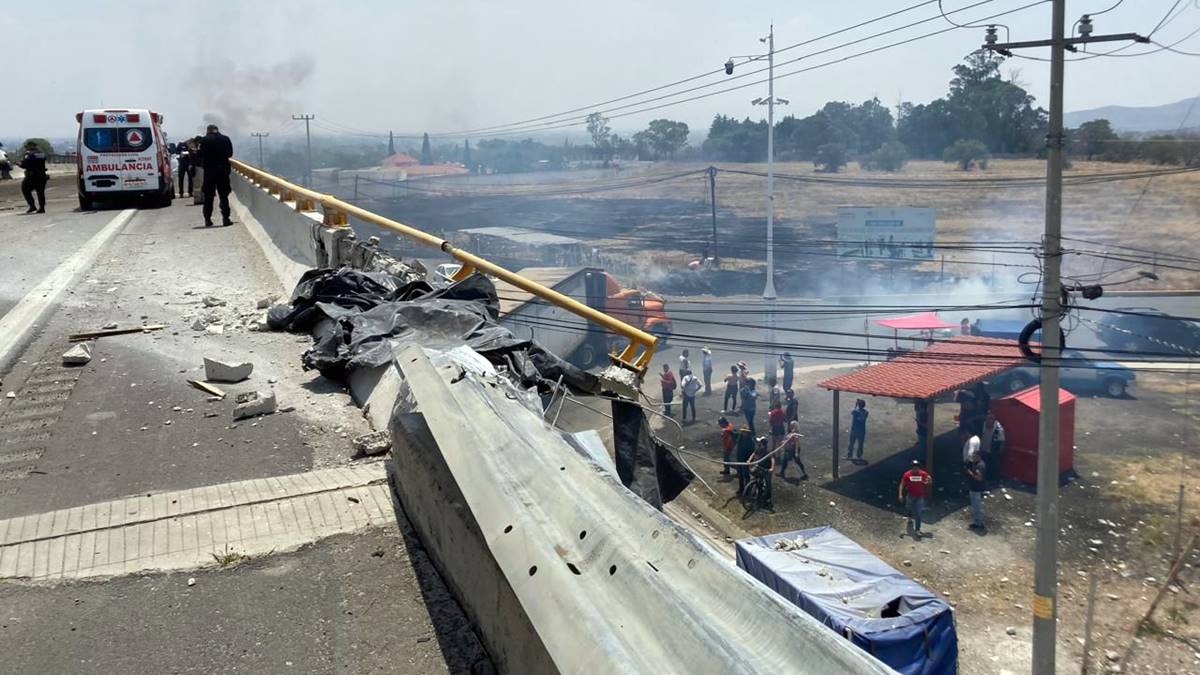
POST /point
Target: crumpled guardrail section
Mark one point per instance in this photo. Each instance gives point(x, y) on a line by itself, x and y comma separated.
point(561, 568)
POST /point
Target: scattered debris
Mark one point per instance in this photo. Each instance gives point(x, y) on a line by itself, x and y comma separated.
point(109, 326)
point(199, 324)
point(78, 355)
point(191, 581)
point(790, 544)
point(266, 302)
point(107, 332)
point(11, 394)
point(220, 371)
point(1011, 631)
point(1112, 655)
point(254, 403)
point(206, 387)
point(374, 443)
point(213, 301)
point(214, 328)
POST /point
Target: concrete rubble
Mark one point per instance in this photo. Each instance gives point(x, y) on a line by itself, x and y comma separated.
point(78, 355)
point(253, 404)
point(220, 371)
point(375, 443)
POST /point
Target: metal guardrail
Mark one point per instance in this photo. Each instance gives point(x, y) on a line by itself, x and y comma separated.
point(335, 215)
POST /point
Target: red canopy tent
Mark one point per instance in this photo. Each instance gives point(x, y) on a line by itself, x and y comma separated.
point(920, 321)
point(1020, 413)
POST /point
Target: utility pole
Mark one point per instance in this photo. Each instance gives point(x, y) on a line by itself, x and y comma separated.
point(1045, 610)
point(260, 137)
point(712, 200)
point(308, 141)
point(771, 359)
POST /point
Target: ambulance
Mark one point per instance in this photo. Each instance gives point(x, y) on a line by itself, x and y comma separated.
point(122, 154)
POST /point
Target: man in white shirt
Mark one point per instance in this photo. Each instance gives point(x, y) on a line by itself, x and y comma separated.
point(690, 385)
point(970, 448)
point(685, 364)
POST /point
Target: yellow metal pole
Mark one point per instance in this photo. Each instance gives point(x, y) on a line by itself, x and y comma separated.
point(471, 263)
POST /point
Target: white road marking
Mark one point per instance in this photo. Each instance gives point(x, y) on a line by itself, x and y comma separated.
point(18, 324)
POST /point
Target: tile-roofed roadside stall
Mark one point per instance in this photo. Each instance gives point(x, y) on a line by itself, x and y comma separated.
point(926, 374)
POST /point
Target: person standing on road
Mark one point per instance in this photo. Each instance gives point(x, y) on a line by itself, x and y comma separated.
point(788, 366)
point(777, 420)
point(727, 443)
point(858, 430)
point(732, 381)
point(976, 484)
point(707, 367)
point(992, 443)
point(215, 151)
point(914, 486)
point(690, 385)
point(749, 402)
point(185, 167)
point(685, 364)
point(763, 461)
point(791, 407)
point(36, 177)
point(791, 452)
point(775, 391)
point(745, 450)
point(667, 379)
point(970, 448)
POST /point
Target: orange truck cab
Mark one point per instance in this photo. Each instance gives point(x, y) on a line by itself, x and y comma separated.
point(641, 308)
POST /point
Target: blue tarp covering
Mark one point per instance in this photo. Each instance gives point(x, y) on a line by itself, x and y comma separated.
point(848, 589)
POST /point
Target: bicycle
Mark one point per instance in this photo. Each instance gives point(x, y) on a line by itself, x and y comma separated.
point(758, 491)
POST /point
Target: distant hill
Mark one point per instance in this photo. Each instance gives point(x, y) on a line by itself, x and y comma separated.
point(1150, 118)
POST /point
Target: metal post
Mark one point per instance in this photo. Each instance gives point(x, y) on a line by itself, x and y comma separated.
point(837, 424)
point(308, 141)
point(769, 289)
point(712, 200)
point(260, 137)
point(929, 440)
point(1045, 591)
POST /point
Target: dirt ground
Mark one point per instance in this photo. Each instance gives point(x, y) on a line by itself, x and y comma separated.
point(673, 216)
point(1118, 520)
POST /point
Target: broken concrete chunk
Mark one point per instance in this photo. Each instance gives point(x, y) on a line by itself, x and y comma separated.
point(219, 371)
point(78, 355)
point(374, 443)
point(213, 301)
point(265, 302)
point(215, 329)
point(254, 403)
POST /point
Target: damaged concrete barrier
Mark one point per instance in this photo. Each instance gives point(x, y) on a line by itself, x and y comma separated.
point(78, 355)
point(253, 404)
point(220, 371)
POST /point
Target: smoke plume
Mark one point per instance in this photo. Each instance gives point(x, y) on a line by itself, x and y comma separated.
point(240, 98)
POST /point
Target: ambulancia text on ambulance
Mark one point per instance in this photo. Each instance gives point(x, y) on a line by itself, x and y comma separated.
point(122, 154)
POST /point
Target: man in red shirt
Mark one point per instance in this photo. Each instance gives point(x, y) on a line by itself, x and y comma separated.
point(914, 487)
point(726, 444)
point(778, 422)
point(668, 388)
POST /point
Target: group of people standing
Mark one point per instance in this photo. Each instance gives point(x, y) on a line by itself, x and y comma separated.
point(688, 384)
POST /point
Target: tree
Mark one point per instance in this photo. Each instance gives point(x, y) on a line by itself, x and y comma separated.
point(42, 144)
point(467, 156)
point(831, 156)
point(666, 137)
point(1093, 137)
point(597, 126)
point(965, 153)
point(732, 141)
point(426, 153)
point(890, 156)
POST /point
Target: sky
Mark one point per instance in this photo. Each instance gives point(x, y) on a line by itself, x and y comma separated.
point(453, 65)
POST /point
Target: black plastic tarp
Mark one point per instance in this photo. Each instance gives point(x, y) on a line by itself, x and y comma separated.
point(644, 465)
point(357, 319)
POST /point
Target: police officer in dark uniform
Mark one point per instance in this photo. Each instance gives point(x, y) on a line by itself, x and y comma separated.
point(185, 167)
point(215, 151)
point(34, 163)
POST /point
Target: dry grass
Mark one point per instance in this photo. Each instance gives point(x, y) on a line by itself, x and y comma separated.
point(1165, 218)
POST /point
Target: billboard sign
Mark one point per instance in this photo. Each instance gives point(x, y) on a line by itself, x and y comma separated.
point(885, 232)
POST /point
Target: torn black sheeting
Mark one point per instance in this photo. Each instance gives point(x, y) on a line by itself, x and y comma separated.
point(357, 319)
point(644, 465)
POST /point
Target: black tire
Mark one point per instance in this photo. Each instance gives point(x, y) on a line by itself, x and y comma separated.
point(85, 204)
point(586, 356)
point(1114, 387)
point(752, 496)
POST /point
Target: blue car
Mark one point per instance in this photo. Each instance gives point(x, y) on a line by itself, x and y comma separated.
point(1080, 374)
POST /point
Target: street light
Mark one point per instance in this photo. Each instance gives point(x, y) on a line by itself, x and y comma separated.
point(770, 360)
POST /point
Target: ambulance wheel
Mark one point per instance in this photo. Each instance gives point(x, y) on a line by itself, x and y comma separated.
point(85, 204)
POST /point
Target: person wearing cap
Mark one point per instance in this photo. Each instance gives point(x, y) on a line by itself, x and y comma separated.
point(976, 484)
point(215, 151)
point(707, 367)
point(914, 488)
